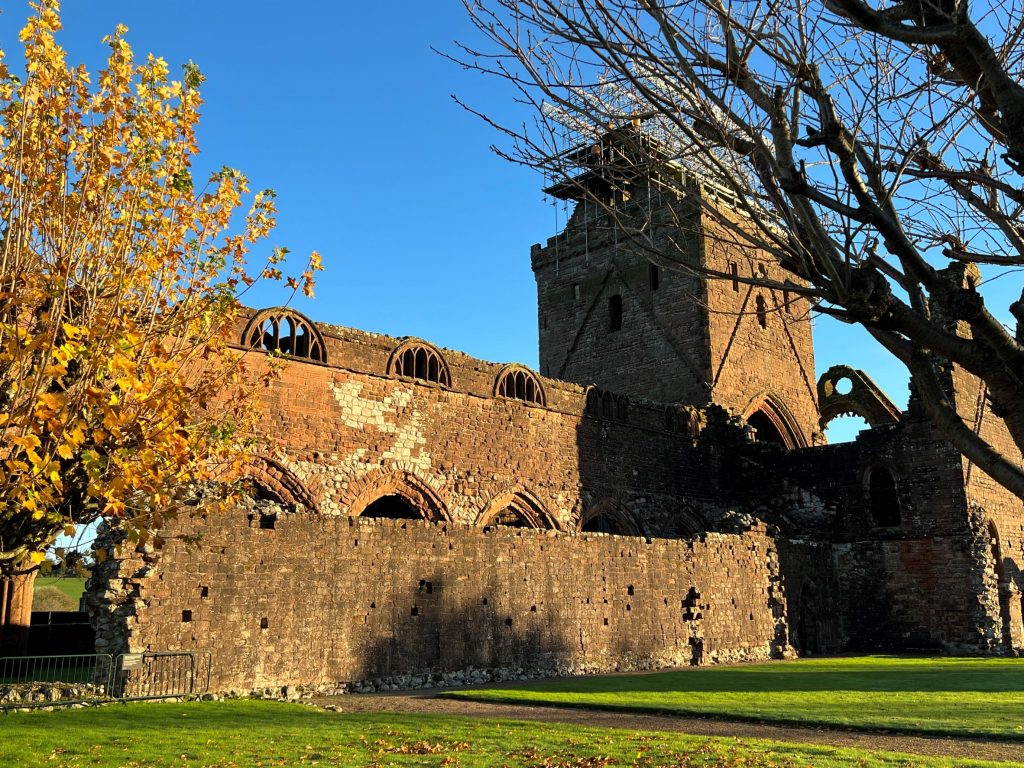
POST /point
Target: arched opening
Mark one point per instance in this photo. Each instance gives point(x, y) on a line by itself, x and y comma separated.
point(844, 429)
point(512, 517)
point(684, 524)
point(420, 361)
point(765, 430)
point(516, 508)
point(286, 332)
point(519, 383)
point(265, 480)
point(773, 422)
point(609, 516)
point(392, 507)
point(883, 497)
point(398, 495)
point(603, 524)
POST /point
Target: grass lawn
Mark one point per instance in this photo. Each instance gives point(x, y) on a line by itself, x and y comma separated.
point(72, 586)
point(962, 697)
point(255, 733)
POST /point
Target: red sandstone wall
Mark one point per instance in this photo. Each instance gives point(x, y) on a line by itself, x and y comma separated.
point(921, 584)
point(1003, 514)
point(661, 351)
point(351, 433)
point(320, 599)
point(748, 361)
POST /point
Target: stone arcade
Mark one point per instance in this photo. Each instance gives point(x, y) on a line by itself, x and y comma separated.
point(661, 495)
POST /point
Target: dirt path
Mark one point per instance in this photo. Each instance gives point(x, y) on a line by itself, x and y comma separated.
point(427, 702)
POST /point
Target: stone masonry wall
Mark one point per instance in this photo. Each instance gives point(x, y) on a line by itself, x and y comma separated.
point(319, 600)
point(1000, 516)
point(685, 338)
point(919, 584)
point(660, 352)
point(348, 432)
point(750, 363)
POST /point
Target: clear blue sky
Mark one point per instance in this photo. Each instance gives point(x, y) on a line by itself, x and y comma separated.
point(345, 111)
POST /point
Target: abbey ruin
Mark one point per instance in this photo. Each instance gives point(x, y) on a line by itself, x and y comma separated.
point(660, 493)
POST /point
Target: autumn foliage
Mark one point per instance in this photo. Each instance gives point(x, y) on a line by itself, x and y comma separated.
point(120, 393)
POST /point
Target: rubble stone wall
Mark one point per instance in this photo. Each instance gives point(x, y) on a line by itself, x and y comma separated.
point(321, 600)
point(999, 515)
point(924, 583)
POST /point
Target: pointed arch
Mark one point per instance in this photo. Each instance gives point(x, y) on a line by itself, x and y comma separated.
point(520, 504)
point(402, 484)
point(277, 483)
point(775, 423)
point(863, 398)
point(283, 330)
point(684, 523)
point(610, 516)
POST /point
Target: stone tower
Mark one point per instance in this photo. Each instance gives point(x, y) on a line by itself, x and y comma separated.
point(641, 316)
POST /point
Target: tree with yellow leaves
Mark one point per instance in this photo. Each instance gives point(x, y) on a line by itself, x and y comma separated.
point(120, 394)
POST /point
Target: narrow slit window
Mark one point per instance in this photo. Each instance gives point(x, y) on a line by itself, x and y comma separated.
point(734, 272)
point(654, 276)
point(761, 309)
point(614, 313)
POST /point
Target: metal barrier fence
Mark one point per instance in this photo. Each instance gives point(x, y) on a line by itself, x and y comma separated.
point(39, 681)
point(160, 675)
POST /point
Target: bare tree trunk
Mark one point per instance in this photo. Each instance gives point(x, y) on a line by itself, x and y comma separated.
point(15, 612)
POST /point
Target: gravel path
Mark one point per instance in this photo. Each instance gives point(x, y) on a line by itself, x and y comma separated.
point(427, 702)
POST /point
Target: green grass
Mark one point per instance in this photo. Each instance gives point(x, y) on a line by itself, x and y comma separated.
point(960, 697)
point(72, 586)
point(254, 733)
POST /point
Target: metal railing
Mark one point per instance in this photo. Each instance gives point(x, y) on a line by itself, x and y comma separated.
point(40, 681)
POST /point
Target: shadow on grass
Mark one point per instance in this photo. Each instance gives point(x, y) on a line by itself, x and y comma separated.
point(954, 697)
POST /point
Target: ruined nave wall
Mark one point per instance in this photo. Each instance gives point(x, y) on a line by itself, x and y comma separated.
point(319, 600)
point(351, 432)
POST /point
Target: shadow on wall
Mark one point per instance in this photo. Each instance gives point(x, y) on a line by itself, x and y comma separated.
point(806, 613)
point(431, 633)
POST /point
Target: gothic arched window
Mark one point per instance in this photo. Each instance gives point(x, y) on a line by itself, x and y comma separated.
point(419, 360)
point(287, 332)
point(519, 383)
